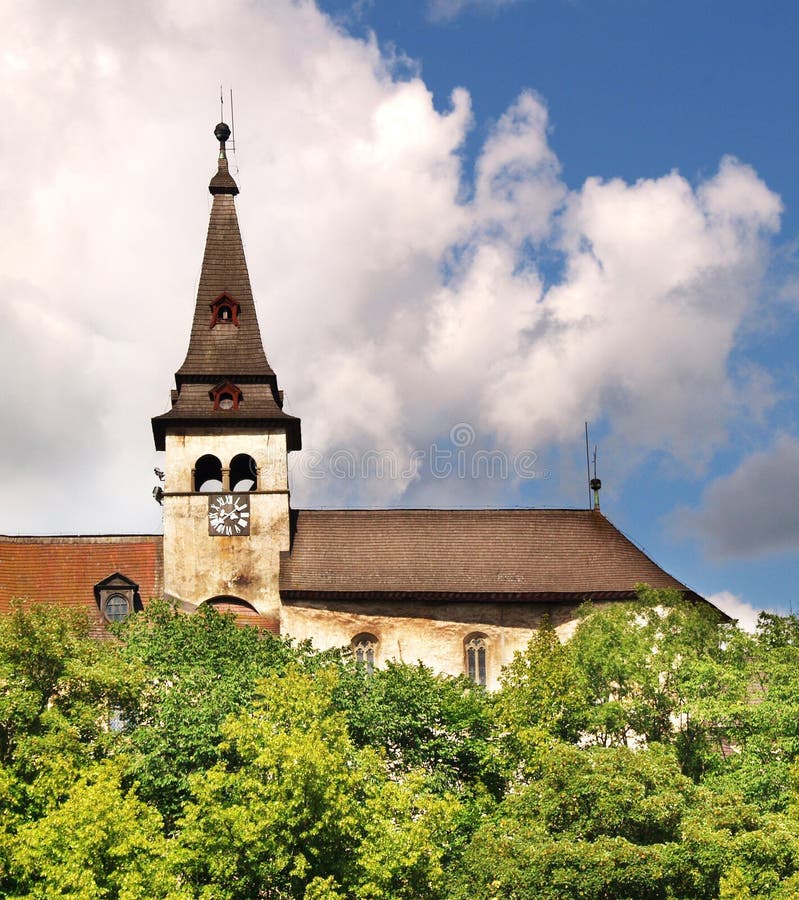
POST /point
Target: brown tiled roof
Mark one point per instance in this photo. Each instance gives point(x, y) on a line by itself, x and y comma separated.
point(546, 554)
point(227, 351)
point(194, 406)
point(64, 570)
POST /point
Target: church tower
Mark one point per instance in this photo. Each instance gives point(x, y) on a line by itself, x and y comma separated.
point(226, 437)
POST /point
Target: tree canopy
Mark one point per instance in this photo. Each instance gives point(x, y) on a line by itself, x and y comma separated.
point(653, 755)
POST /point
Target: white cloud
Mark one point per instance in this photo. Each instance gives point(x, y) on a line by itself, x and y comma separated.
point(753, 510)
point(736, 608)
point(446, 10)
point(398, 292)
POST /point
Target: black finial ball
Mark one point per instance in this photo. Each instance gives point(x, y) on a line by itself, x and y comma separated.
point(222, 132)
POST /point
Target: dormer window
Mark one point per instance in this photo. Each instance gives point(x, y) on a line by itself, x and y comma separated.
point(117, 597)
point(224, 311)
point(226, 396)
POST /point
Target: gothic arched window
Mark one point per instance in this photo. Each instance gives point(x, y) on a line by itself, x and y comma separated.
point(475, 647)
point(243, 473)
point(208, 474)
point(364, 649)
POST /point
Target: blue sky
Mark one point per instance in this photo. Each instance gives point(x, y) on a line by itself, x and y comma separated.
point(508, 216)
point(636, 89)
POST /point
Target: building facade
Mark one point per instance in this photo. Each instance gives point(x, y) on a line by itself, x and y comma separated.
point(461, 590)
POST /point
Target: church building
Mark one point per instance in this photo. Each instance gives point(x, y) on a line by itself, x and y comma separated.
point(460, 590)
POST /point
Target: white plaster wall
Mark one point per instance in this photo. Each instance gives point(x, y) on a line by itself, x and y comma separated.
point(197, 565)
point(268, 449)
point(432, 633)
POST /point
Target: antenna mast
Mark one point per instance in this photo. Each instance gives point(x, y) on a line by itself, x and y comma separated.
point(587, 466)
point(233, 133)
point(595, 484)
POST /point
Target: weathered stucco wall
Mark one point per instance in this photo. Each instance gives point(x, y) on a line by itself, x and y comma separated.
point(199, 566)
point(408, 631)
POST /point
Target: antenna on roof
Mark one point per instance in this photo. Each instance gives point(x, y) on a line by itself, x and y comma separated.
point(595, 484)
point(233, 133)
point(587, 465)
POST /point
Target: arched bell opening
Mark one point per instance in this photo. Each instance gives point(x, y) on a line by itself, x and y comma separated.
point(243, 473)
point(208, 474)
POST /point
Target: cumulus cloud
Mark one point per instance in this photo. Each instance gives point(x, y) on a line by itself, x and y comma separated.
point(399, 291)
point(753, 510)
point(737, 608)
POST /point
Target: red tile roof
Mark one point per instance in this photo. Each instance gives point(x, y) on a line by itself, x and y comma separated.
point(64, 570)
point(546, 554)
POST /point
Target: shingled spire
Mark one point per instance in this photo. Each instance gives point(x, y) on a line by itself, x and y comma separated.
point(225, 347)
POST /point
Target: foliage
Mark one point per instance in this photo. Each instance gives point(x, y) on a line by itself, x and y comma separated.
point(202, 668)
point(542, 698)
point(100, 842)
point(653, 755)
point(420, 720)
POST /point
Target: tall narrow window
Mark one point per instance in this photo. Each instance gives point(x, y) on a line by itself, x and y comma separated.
point(475, 647)
point(364, 649)
point(208, 474)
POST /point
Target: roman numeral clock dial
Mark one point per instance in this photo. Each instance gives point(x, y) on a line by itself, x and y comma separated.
point(228, 514)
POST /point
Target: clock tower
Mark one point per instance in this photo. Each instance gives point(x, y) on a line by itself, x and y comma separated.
point(226, 437)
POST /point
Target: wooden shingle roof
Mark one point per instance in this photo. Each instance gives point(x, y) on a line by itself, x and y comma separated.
point(503, 554)
point(64, 570)
point(228, 350)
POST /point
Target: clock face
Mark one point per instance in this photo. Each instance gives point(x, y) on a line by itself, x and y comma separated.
point(228, 514)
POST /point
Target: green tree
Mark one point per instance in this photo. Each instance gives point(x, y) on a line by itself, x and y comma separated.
point(420, 720)
point(594, 823)
point(58, 690)
point(100, 842)
point(542, 697)
point(201, 668)
point(283, 810)
point(412, 836)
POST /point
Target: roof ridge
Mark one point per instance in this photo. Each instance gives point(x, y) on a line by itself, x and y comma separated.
point(450, 509)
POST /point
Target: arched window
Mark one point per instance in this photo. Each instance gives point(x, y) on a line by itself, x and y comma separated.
point(116, 608)
point(243, 473)
point(224, 311)
point(117, 597)
point(208, 474)
point(364, 649)
point(226, 396)
point(475, 647)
